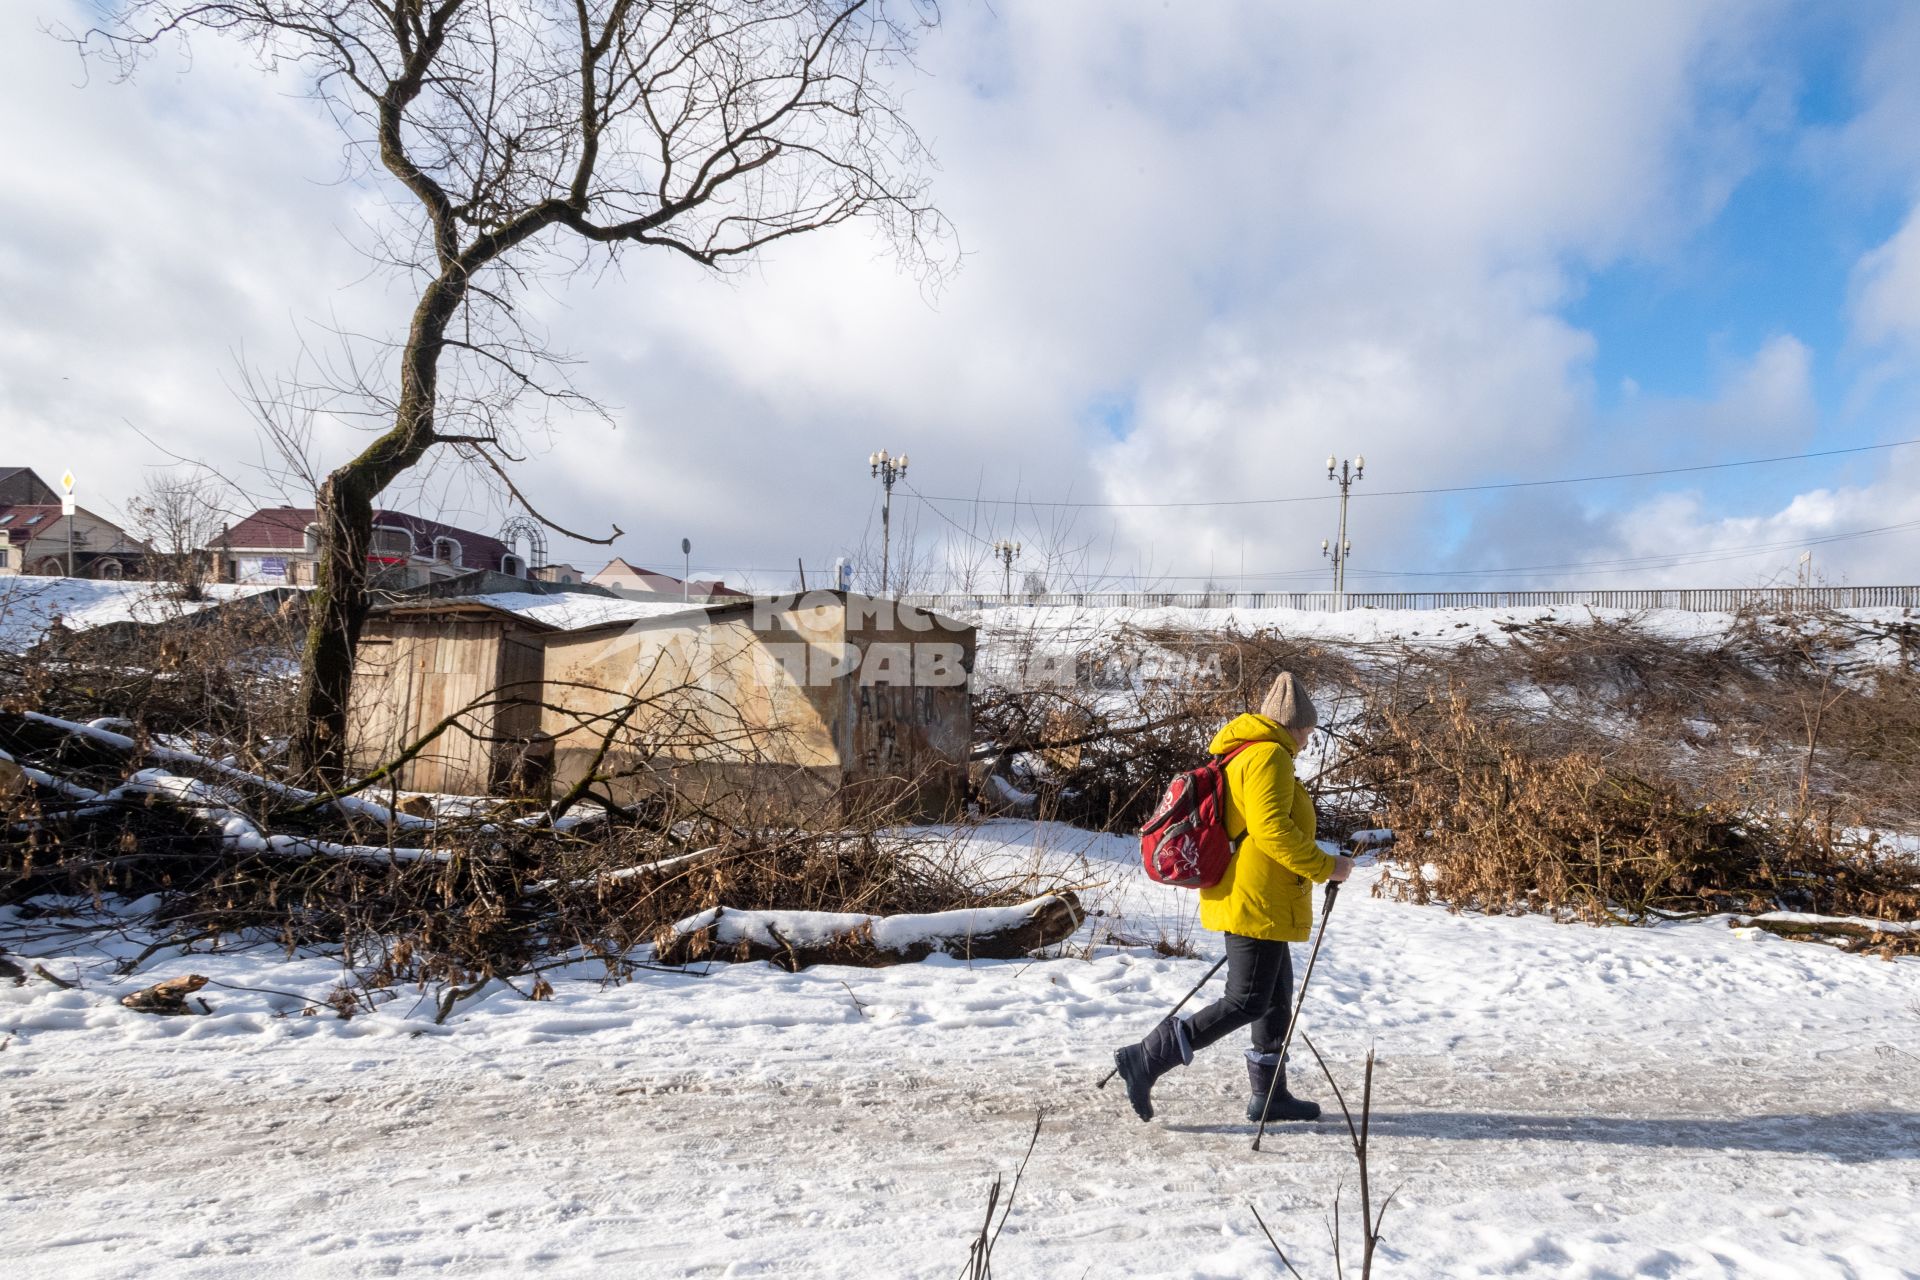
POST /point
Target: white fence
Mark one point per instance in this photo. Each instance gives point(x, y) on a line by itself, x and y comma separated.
point(1689, 599)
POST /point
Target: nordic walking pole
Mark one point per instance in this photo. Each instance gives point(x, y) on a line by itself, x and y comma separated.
point(1326, 910)
point(1176, 1009)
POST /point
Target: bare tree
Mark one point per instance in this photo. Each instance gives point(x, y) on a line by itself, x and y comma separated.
point(178, 514)
point(527, 136)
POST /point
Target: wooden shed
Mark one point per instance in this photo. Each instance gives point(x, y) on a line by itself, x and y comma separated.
point(479, 666)
point(769, 700)
point(781, 699)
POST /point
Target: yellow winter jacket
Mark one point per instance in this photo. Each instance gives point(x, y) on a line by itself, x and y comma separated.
point(1266, 892)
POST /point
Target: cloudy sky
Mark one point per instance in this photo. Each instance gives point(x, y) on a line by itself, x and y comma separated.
point(1206, 245)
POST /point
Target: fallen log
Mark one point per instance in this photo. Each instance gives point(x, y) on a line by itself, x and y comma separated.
point(794, 940)
point(1798, 924)
point(168, 997)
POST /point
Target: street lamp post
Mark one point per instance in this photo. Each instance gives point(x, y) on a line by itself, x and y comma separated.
point(886, 469)
point(686, 570)
point(1337, 551)
point(1007, 552)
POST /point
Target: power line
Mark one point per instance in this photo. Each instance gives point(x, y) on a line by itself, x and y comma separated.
point(1625, 564)
point(1673, 560)
point(961, 529)
point(1459, 488)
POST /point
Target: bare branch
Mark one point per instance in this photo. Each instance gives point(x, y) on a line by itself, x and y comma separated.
point(480, 451)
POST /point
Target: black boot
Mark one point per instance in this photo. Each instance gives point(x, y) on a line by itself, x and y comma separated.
point(1262, 1068)
point(1141, 1064)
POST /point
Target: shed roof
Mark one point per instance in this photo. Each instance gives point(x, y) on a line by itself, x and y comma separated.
point(559, 611)
point(568, 611)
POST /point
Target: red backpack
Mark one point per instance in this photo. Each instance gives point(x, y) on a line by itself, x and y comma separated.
point(1185, 841)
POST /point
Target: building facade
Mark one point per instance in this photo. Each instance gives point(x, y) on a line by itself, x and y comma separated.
point(280, 546)
point(34, 534)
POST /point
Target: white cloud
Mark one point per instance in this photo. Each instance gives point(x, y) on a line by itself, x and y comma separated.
point(1275, 233)
point(1878, 146)
point(1886, 289)
point(1765, 401)
point(1767, 547)
point(1257, 234)
point(1771, 396)
point(153, 237)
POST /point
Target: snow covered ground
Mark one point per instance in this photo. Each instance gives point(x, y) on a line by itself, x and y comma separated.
point(1055, 625)
point(28, 605)
point(1359, 626)
point(1551, 1101)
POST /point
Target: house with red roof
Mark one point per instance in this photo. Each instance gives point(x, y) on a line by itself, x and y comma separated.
point(281, 546)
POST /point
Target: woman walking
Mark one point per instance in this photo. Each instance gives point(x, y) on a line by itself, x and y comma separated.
point(1264, 901)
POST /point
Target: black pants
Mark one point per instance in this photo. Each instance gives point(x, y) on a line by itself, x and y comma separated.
point(1259, 991)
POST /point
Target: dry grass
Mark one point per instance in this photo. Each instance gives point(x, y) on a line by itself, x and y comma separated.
point(1591, 769)
point(1615, 775)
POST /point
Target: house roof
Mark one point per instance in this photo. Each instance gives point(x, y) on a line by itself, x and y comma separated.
point(481, 582)
point(22, 522)
point(285, 529)
point(621, 575)
point(25, 484)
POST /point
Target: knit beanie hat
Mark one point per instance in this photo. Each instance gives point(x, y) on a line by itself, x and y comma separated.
point(1288, 705)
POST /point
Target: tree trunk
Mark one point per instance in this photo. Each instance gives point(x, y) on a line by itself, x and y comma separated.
point(345, 520)
point(1796, 925)
point(796, 939)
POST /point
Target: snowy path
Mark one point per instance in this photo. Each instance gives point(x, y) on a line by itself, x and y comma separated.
point(1552, 1100)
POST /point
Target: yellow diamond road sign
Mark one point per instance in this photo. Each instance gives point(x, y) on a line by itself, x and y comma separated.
point(66, 482)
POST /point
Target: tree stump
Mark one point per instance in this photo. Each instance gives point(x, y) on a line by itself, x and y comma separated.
point(168, 997)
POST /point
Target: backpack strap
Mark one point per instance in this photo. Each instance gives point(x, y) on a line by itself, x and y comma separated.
point(1222, 760)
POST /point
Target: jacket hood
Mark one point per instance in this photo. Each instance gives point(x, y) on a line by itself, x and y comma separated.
point(1251, 728)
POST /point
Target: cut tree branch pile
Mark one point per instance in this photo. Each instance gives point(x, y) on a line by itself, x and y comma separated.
point(462, 897)
point(225, 803)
